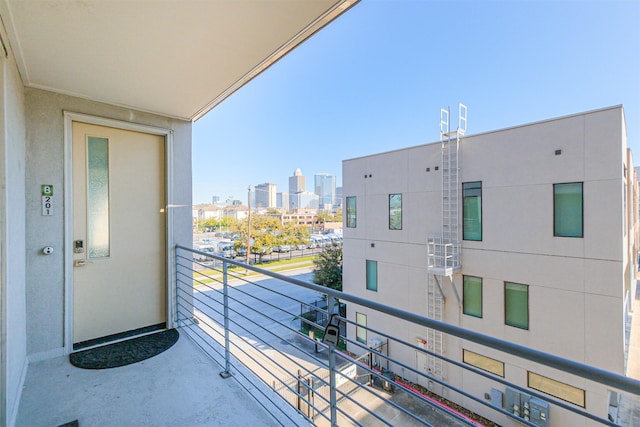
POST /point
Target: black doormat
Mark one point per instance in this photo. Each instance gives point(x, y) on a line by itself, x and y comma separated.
point(125, 352)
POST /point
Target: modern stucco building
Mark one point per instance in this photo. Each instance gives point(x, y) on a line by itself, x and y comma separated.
point(545, 215)
point(97, 100)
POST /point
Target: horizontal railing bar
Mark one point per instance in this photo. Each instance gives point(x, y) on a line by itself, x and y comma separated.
point(391, 403)
point(266, 302)
point(193, 279)
point(265, 329)
point(587, 372)
point(209, 345)
point(256, 337)
point(195, 261)
point(235, 288)
point(222, 355)
point(595, 374)
point(297, 364)
point(263, 342)
point(485, 374)
point(213, 309)
point(378, 374)
point(250, 380)
point(272, 374)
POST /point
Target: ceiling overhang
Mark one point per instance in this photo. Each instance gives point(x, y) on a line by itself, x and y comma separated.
point(175, 58)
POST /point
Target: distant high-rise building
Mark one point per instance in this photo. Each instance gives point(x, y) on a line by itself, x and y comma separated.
point(265, 195)
point(231, 201)
point(338, 196)
point(296, 182)
point(282, 200)
point(325, 188)
point(296, 186)
point(215, 199)
point(306, 200)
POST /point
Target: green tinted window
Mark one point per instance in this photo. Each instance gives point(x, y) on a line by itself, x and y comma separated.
point(351, 212)
point(567, 210)
point(361, 327)
point(516, 305)
point(395, 211)
point(472, 210)
point(372, 275)
point(472, 296)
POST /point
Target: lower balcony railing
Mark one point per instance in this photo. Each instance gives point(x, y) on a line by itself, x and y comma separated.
point(265, 330)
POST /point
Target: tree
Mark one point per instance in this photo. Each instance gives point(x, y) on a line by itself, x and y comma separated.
point(293, 235)
point(327, 270)
point(263, 231)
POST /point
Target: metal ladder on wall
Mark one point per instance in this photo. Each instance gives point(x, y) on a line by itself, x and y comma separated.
point(444, 250)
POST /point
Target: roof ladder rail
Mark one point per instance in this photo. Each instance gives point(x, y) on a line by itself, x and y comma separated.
point(443, 251)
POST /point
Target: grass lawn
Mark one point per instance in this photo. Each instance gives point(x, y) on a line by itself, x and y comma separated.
point(209, 275)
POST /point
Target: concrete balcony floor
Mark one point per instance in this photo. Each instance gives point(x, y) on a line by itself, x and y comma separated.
point(180, 387)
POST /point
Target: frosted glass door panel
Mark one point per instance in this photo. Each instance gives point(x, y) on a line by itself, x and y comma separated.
point(98, 197)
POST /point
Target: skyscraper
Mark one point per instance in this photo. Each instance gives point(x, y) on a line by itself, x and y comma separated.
point(296, 186)
point(282, 200)
point(265, 195)
point(296, 182)
point(325, 188)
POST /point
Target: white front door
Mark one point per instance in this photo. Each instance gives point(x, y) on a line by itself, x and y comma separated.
point(119, 232)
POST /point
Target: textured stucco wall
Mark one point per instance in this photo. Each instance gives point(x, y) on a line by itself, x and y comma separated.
point(12, 145)
point(45, 165)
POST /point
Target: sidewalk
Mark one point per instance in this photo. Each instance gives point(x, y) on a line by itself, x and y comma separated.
point(629, 409)
point(633, 361)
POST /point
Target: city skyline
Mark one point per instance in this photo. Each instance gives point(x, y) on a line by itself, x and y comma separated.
point(255, 188)
point(375, 79)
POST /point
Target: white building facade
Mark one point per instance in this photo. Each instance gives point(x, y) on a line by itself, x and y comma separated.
point(548, 218)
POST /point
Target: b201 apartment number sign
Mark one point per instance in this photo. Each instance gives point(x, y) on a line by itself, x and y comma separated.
point(47, 199)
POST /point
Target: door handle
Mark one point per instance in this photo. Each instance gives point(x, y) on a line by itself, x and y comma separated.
point(79, 262)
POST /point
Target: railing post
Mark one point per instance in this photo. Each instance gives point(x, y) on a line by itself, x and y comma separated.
point(333, 401)
point(332, 386)
point(227, 355)
point(177, 304)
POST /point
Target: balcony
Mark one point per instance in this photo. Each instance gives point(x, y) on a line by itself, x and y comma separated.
point(443, 256)
point(250, 353)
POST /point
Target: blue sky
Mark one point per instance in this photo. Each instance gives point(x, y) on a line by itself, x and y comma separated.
point(375, 79)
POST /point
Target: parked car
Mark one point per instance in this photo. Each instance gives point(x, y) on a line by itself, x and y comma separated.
point(283, 248)
point(335, 240)
point(227, 251)
point(205, 249)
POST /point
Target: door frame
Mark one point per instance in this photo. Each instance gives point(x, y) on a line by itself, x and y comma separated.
point(69, 118)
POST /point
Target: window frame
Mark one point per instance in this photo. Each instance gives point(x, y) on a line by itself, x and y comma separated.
point(465, 233)
point(486, 366)
point(506, 322)
point(556, 233)
point(464, 299)
point(395, 227)
point(371, 285)
point(351, 212)
point(582, 402)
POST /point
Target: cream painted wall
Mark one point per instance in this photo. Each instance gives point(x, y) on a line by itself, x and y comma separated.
point(576, 285)
point(45, 151)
